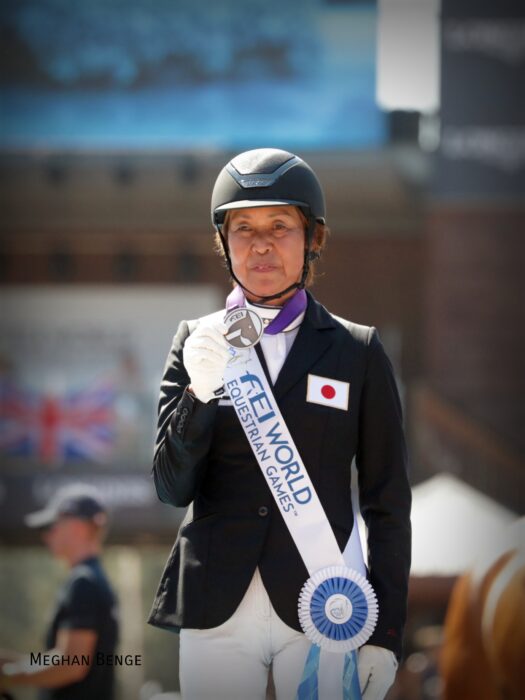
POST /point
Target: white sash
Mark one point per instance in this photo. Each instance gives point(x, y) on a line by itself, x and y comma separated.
point(299, 505)
point(280, 462)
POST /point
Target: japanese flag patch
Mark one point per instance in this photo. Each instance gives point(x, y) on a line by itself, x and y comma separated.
point(328, 392)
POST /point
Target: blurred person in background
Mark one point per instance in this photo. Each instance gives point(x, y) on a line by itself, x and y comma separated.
point(83, 632)
point(232, 582)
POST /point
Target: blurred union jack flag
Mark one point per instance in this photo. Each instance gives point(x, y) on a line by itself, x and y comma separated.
point(77, 426)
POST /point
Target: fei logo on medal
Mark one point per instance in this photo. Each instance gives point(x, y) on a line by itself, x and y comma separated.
point(245, 328)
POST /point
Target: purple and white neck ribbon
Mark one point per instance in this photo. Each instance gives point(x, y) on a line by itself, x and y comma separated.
point(337, 606)
point(292, 308)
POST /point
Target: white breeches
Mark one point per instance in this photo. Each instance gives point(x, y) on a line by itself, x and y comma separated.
point(231, 661)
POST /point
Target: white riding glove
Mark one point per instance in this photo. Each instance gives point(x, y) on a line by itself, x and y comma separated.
point(205, 357)
point(376, 668)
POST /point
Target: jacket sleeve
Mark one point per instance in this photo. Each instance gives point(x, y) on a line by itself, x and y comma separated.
point(385, 495)
point(184, 433)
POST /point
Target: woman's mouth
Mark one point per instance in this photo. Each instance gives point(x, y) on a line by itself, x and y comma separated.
point(263, 268)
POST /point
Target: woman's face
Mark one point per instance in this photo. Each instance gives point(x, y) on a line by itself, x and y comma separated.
point(267, 247)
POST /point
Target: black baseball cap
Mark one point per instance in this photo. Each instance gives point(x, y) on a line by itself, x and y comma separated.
point(70, 501)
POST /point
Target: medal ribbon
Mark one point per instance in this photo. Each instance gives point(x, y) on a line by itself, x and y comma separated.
point(292, 308)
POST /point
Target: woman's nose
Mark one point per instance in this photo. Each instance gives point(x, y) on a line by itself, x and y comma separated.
point(261, 242)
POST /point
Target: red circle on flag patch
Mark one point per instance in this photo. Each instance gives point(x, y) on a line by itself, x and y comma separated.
point(328, 391)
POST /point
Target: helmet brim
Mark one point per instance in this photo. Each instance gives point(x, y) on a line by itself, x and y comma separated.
point(249, 203)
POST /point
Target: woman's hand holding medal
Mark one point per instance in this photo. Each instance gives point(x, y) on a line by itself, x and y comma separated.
point(205, 356)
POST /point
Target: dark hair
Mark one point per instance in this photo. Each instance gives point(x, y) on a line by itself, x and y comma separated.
point(321, 233)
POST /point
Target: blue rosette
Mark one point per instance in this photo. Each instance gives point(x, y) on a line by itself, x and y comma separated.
point(338, 609)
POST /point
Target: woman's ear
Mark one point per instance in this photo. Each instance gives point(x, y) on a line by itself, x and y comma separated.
point(316, 247)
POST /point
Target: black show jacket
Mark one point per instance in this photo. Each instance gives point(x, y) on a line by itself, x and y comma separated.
point(203, 460)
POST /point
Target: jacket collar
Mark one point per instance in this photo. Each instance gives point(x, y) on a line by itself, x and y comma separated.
point(313, 340)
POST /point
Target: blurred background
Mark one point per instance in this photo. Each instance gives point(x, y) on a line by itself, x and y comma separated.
point(116, 117)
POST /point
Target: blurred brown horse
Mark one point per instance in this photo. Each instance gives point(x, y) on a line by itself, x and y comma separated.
point(483, 653)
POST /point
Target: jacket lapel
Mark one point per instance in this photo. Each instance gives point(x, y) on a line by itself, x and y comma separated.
point(313, 340)
point(262, 360)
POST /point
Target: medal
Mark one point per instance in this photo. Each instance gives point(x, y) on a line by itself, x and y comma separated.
point(245, 328)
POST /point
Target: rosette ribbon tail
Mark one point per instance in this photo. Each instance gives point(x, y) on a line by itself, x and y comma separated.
point(351, 689)
point(309, 686)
